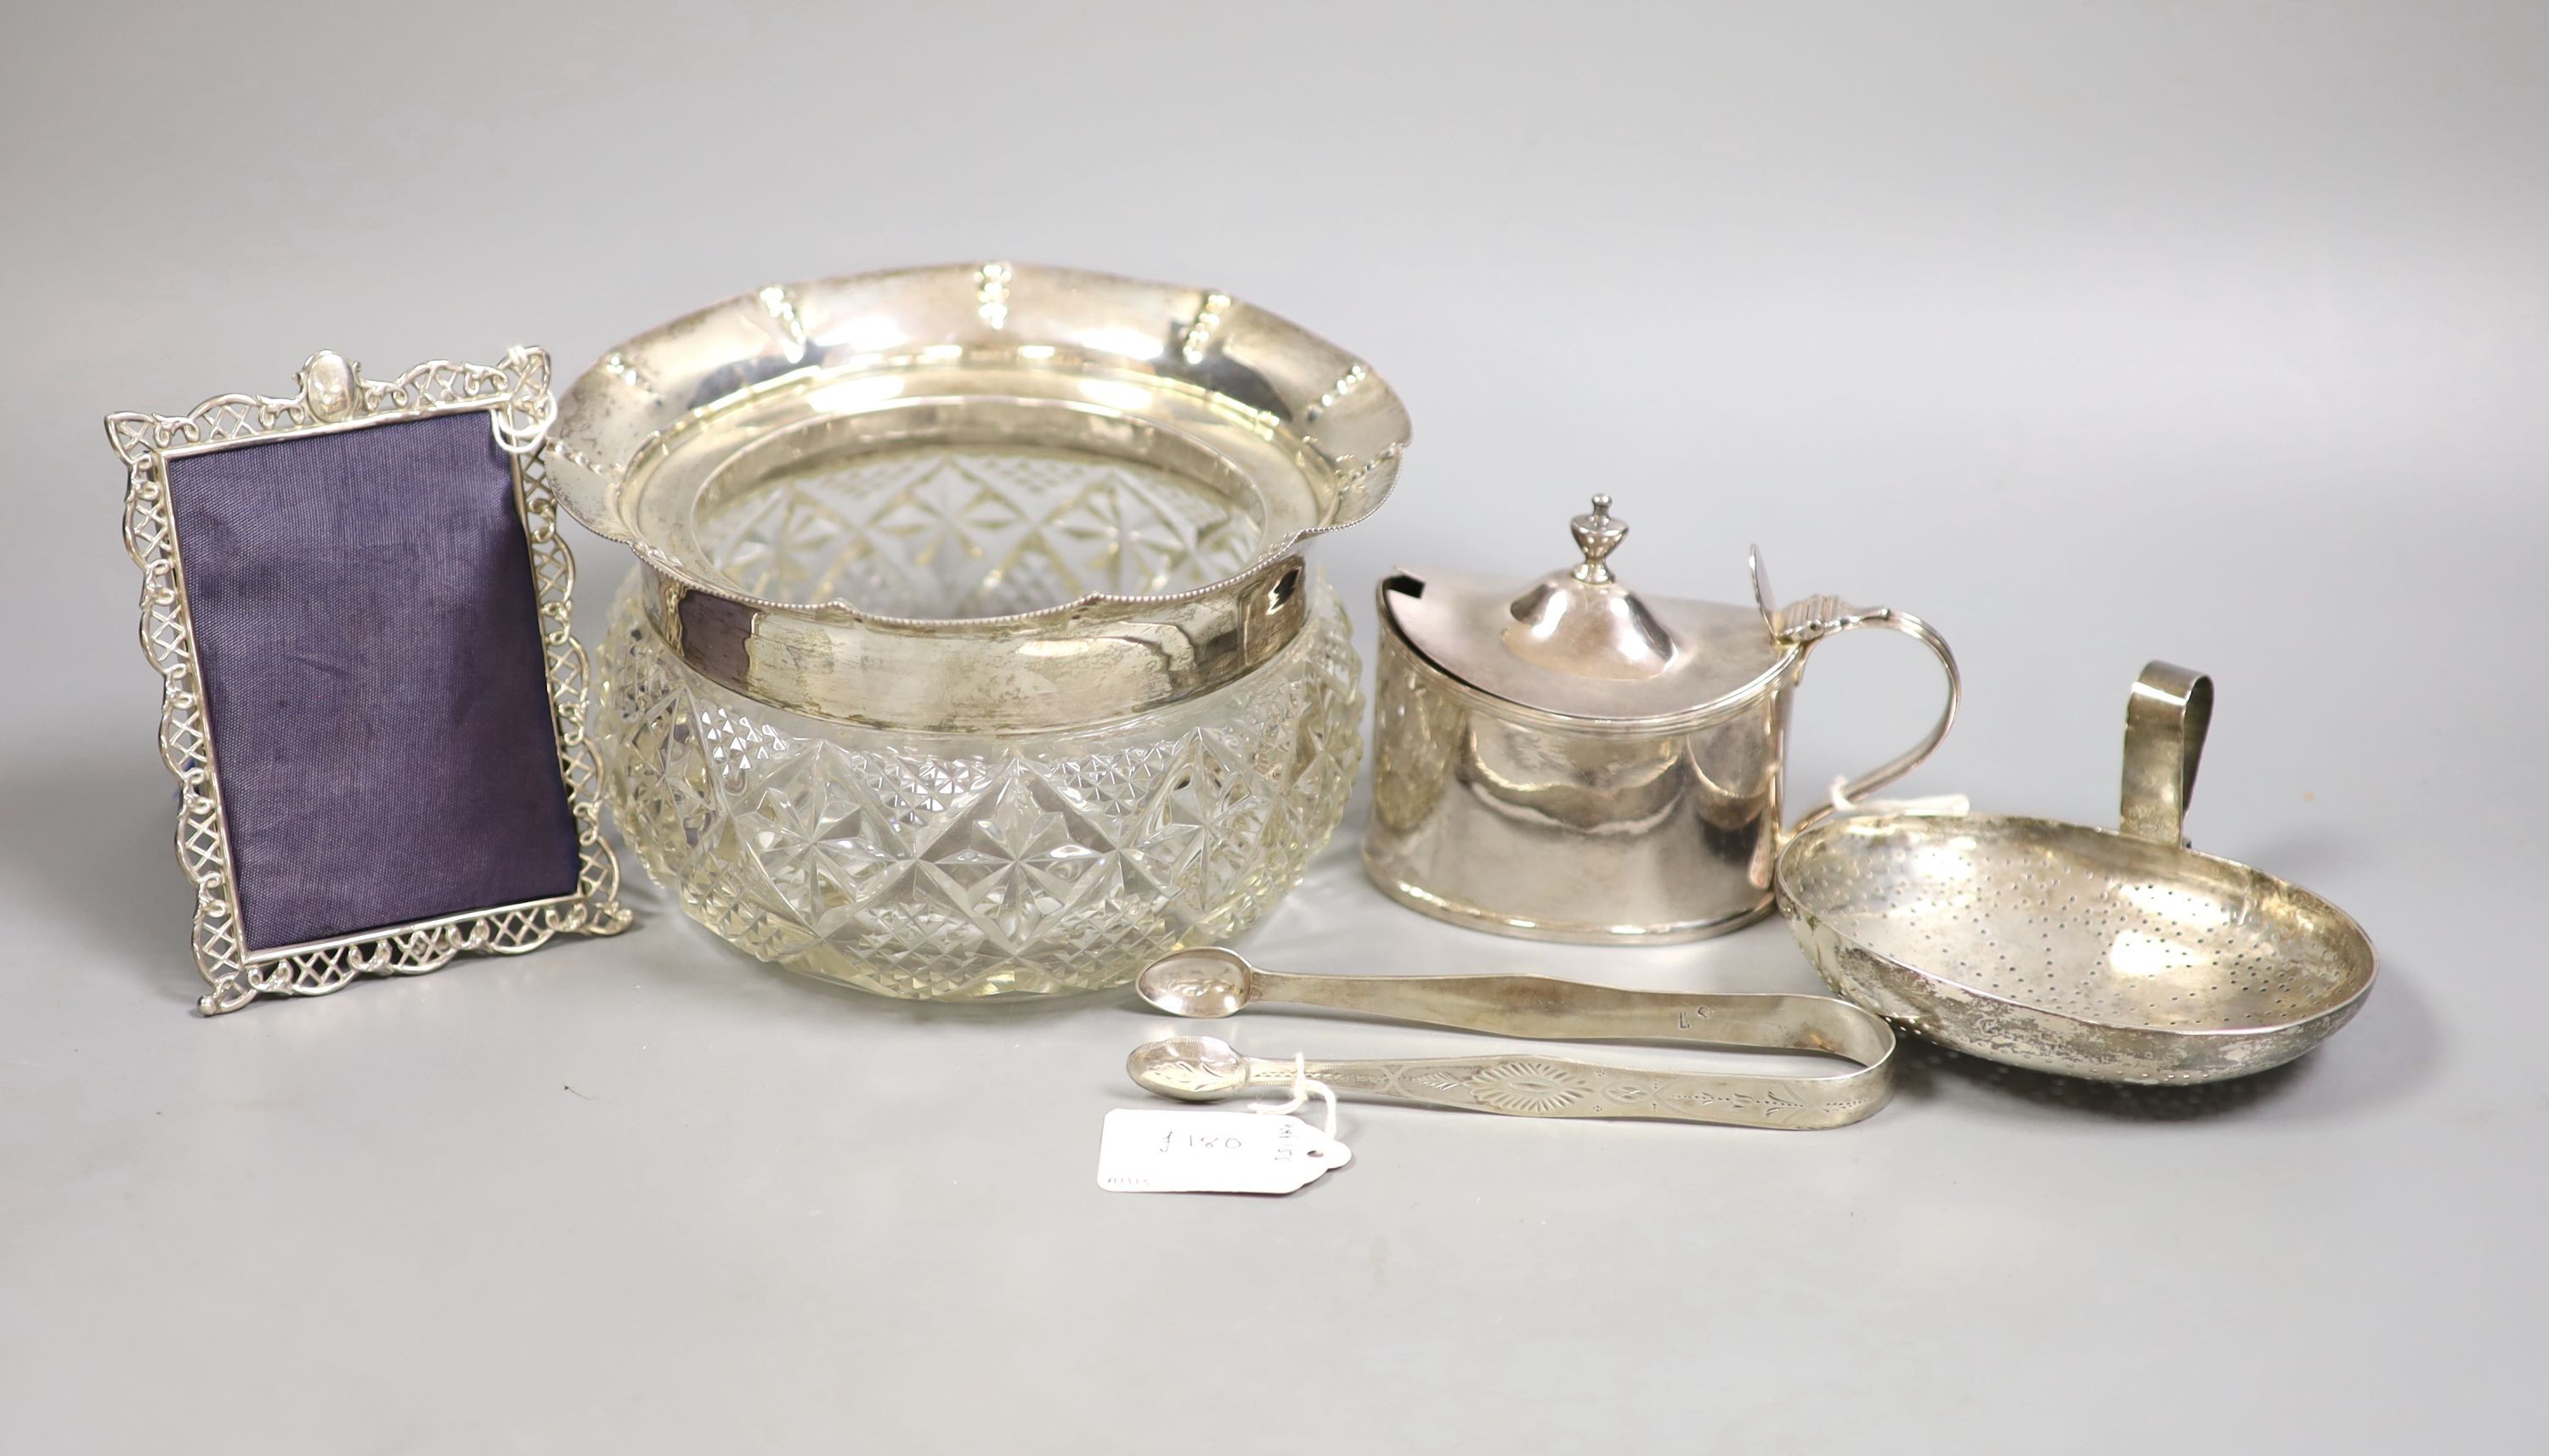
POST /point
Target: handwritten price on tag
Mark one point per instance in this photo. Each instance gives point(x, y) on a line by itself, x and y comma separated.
point(1189, 1152)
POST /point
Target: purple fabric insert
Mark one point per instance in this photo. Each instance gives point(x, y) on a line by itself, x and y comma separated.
point(370, 645)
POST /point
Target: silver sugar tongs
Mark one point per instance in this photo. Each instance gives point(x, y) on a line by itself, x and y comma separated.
point(1213, 982)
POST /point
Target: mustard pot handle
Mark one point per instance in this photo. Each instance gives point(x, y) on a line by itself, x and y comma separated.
point(1810, 621)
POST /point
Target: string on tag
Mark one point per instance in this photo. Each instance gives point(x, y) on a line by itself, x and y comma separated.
point(1303, 1085)
point(1937, 803)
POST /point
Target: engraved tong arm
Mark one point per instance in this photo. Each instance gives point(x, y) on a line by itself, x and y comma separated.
point(1540, 1008)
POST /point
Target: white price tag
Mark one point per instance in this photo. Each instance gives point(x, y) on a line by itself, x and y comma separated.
point(1167, 1150)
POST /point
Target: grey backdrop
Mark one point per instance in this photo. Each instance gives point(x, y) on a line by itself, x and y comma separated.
point(2092, 332)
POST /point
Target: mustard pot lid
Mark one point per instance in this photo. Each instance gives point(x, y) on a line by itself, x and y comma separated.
point(1579, 644)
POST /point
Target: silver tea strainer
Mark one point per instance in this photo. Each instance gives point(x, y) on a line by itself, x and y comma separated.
point(2117, 954)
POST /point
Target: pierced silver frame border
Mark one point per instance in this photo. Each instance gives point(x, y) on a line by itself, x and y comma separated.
point(334, 396)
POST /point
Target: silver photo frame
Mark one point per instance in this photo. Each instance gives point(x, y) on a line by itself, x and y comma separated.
point(334, 398)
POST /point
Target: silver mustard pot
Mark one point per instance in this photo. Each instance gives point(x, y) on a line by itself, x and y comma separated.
point(1570, 761)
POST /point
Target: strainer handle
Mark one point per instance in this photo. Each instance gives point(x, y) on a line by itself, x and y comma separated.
point(2165, 723)
point(1808, 625)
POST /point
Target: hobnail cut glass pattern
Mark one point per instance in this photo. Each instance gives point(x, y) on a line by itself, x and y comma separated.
point(947, 865)
point(935, 532)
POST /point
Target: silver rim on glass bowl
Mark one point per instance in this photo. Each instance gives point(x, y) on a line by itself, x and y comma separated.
point(976, 498)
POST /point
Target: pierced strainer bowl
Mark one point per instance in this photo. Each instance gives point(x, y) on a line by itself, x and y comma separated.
point(2114, 955)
